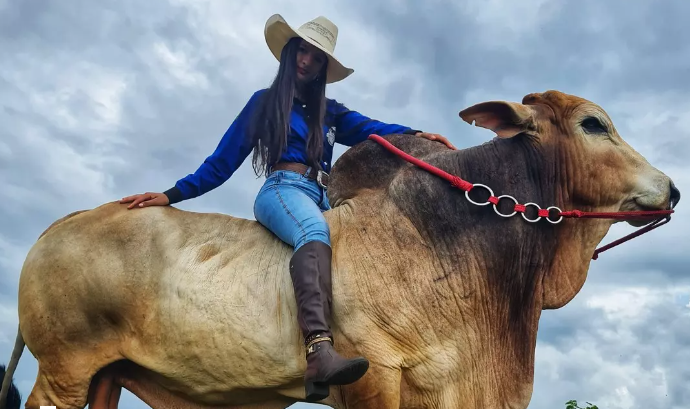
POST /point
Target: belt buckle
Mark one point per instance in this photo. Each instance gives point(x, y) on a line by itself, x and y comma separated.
point(319, 178)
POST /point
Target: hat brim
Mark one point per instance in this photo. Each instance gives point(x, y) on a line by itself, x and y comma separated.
point(278, 32)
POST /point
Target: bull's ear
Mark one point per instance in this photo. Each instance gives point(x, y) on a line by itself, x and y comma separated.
point(507, 119)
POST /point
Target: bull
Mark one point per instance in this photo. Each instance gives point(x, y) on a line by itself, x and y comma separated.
point(443, 296)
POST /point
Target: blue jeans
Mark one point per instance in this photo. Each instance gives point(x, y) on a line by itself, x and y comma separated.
point(291, 205)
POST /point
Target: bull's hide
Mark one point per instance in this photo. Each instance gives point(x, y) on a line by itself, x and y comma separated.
point(442, 296)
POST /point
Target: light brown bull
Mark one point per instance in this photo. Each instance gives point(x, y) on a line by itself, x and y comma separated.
point(443, 297)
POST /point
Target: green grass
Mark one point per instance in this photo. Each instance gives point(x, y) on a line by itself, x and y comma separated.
point(572, 404)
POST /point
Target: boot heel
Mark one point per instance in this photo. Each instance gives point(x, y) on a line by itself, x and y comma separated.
point(316, 391)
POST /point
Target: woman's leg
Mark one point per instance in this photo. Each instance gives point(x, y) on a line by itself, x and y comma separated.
point(288, 205)
point(291, 206)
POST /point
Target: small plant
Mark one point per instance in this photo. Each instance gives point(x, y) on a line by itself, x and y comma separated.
point(572, 404)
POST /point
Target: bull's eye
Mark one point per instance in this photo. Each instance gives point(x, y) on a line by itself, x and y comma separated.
point(593, 125)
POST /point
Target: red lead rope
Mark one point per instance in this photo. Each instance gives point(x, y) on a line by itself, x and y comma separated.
point(552, 214)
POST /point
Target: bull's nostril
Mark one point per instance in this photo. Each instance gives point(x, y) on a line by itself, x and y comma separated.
point(675, 196)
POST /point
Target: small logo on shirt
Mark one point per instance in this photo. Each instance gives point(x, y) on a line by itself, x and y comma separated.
point(331, 135)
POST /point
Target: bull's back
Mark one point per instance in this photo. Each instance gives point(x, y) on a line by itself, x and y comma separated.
point(175, 291)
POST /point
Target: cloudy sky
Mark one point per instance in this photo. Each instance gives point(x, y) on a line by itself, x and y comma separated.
point(105, 99)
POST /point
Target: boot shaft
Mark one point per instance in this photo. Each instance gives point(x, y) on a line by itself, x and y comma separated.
point(310, 270)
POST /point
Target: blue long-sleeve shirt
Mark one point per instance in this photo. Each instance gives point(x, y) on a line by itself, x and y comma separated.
point(341, 125)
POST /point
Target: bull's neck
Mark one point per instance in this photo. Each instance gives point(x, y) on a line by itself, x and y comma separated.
point(509, 256)
point(493, 265)
point(576, 240)
point(475, 282)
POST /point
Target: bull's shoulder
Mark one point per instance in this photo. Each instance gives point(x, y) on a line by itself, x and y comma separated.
point(370, 167)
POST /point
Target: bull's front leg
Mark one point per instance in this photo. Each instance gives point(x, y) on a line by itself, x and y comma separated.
point(379, 388)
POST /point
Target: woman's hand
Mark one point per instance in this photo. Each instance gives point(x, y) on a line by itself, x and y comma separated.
point(436, 137)
point(146, 199)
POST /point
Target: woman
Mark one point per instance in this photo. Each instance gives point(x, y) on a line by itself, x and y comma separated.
point(292, 127)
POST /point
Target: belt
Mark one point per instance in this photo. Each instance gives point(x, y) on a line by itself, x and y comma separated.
point(319, 176)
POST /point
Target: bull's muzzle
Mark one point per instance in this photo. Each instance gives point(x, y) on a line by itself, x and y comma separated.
point(675, 196)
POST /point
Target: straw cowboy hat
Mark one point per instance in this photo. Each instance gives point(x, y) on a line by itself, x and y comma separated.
point(319, 32)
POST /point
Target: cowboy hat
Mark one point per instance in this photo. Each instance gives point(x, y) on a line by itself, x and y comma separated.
point(319, 32)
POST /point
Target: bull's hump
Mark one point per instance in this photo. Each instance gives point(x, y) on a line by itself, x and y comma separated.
point(369, 167)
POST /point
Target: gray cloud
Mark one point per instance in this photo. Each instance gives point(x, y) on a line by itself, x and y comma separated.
point(596, 47)
point(616, 353)
point(102, 100)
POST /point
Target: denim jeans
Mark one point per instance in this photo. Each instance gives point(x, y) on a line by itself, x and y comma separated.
point(291, 205)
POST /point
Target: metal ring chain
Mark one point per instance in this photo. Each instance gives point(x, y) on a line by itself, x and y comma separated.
point(491, 194)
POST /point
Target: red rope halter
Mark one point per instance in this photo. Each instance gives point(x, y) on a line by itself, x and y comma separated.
point(552, 214)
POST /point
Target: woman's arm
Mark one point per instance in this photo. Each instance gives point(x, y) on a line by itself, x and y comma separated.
point(232, 150)
point(353, 127)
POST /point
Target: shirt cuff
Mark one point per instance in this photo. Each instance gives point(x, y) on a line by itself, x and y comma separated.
point(174, 195)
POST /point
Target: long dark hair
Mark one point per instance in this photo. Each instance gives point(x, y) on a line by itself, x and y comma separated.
point(271, 122)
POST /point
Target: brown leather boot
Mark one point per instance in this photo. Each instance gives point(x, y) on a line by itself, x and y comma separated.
point(310, 270)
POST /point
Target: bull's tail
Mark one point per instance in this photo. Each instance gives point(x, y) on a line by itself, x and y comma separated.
point(8, 389)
